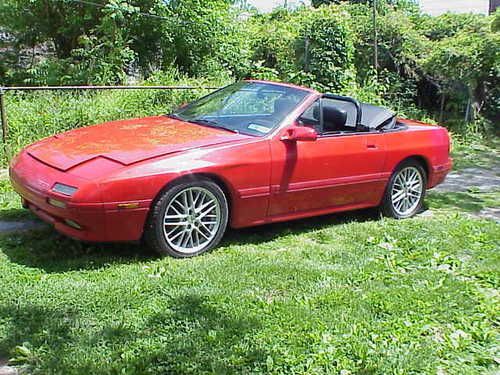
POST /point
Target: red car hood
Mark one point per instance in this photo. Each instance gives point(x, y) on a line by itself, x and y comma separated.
point(126, 142)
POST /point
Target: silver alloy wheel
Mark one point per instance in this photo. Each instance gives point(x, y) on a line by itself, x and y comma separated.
point(192, 219)
point(407, 190)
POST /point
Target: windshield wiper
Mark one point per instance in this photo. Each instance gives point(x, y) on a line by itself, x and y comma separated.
point(212, 124)
point(174, 116)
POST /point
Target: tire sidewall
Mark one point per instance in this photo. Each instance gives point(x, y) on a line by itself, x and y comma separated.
point(388, 207)
point(162, 245)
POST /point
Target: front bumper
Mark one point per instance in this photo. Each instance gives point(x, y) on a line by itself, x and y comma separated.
point(98, 221)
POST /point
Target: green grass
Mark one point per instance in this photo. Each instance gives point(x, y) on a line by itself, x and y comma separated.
point(10, 204)
point(341, 294)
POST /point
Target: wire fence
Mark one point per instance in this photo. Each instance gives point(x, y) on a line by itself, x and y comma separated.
point(5, 90)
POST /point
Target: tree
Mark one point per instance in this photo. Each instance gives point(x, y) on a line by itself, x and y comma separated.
point(470, 58)
point(397, 3)
point(204, 35)
point(101, 43)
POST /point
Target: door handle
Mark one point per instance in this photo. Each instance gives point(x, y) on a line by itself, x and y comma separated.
point(372, 147)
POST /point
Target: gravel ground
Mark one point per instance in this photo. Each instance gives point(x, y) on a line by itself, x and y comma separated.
point(483, 180)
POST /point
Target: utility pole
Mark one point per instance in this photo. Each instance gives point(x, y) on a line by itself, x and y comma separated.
point(375, 37)
point(286, 4)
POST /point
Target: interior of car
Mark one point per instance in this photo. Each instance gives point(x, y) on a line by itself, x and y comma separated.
point(336, 116)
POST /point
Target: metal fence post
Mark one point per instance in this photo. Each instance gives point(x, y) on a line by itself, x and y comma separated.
point(3, 119)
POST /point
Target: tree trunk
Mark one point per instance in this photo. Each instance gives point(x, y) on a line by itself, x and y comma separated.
point(475, 102)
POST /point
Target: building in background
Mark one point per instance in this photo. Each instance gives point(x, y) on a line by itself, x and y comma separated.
point(269, 5)
point(437, 7)
point(494, 4)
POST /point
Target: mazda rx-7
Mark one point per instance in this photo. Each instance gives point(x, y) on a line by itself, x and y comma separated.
point(251, 153)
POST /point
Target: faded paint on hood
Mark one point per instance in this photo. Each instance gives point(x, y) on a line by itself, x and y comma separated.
point(127, 142)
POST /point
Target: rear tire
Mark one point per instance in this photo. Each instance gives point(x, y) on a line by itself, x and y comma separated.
point(188, 219)
point(405, 192)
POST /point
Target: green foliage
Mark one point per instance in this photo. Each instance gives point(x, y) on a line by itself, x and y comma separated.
point(204, 37)
point(422, 60)
point(62, 22)
point(94, 44)
point(449, 24)
point(274, 43)
point(399, 43)
point(495, 25)
point(330, 48)
point(408, 4)
point(307, 46)
point(91, 44)
point(470, 58)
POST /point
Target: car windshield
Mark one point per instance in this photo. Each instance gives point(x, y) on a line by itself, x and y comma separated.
point(252, 108)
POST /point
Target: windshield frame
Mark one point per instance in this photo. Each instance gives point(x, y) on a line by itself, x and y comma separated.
point(302, 93)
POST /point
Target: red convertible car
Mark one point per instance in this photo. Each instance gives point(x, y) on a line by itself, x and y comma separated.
point(248, 154)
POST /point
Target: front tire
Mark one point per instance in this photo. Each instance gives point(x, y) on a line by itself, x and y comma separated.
point(404, 196)
point(188, 219)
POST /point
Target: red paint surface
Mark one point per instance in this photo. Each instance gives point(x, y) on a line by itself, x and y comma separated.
point(267, 179)
point(126, 142)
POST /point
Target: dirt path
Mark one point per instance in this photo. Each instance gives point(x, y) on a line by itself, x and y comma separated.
point(481, 179)
point(484, 180)
point(20, 225)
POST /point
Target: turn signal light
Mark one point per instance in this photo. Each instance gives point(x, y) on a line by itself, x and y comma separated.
point(128, 206)
point(73, 224)
point(56, 203)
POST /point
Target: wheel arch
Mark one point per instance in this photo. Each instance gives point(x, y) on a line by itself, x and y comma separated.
point(419, 159)
point(189, 177)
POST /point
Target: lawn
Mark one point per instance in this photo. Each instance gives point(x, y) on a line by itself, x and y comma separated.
point(340, 294)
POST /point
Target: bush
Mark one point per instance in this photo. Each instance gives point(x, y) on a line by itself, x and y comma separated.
point(329, 57)
point(274, 38)
point(313, 47)
point(204, 38)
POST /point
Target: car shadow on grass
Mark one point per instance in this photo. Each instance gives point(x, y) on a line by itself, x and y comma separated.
point(27, 322)
point(47, 250)
point(192, 335)
point(269, 232)
point(207, 339)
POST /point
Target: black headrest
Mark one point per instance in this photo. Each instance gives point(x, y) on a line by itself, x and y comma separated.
point(333, 118)
point(316, 115)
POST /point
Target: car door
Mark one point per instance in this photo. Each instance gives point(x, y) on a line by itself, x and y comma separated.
point(338, 170)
